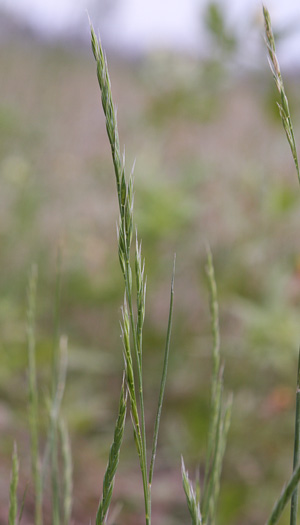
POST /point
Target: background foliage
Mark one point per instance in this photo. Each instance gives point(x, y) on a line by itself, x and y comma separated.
point(211, 163)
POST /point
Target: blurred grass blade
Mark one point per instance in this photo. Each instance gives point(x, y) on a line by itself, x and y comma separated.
point(218, 460)
point(109, 477)
point(216, 386)
point(22, 504)
point(33, 395)
point(284, 498)
point(67, 472)
point(294, 499)
point(56, 315)
point(13, 498)
point(54, 423)
point(190, 494)
point(284, 106)
point(163, 379)
point(51, 450)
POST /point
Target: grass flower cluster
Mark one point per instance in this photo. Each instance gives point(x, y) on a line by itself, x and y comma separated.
point(55, 465)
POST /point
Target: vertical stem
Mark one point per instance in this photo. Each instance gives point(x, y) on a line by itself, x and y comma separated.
point(294, 499)
point(56, 316)
point(33, 396)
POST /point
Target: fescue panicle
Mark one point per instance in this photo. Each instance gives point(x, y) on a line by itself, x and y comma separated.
point(13, 498)
point(110, 114)
point(192, 503)
point(284, 105)
point(33, 394)
point(125, 229)
point(113, 460)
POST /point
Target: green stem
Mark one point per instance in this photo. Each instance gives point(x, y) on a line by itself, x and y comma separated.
point(294, 499)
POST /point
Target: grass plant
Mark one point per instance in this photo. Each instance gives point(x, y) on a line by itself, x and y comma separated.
point(131, 324)
point(201, 498)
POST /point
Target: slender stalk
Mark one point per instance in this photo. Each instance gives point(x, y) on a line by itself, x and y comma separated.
point(33, 396)
point(22, 504)
point(294, 499)
point(56, 315)
point(59, 354)
point(67, 471)
point(216, 386)
point(13, 499)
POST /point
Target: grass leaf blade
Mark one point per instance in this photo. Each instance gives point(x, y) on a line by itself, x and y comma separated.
point(163, 379)
point(67, 471)
point(284, 497)
point(294, 499)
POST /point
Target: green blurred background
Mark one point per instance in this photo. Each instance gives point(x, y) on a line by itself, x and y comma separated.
point(212, 164)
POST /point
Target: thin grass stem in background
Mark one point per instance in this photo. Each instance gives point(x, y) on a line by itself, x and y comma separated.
point(294, 499)
point(33, 397)
point(67, 472)
point(22, 504)
point(54, 426)
point(13, 497)
point(56, 317)
point(220, 412)
point(202, 504)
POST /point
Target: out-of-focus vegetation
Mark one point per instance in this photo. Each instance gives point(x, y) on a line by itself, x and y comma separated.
point(211, 163)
